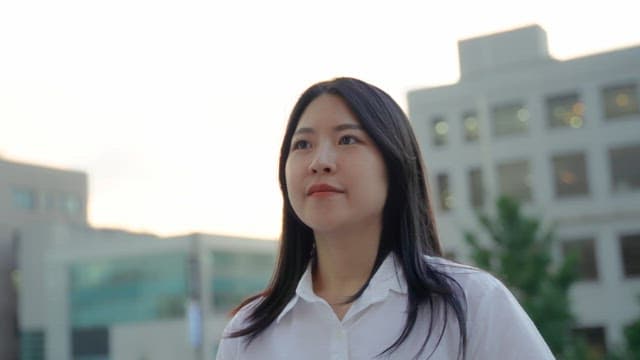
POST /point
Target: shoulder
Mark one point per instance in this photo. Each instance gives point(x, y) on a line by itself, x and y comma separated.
point(229, 347)
point(474, 282)
point(241, 317)
point(484, 294)
point(496, 323)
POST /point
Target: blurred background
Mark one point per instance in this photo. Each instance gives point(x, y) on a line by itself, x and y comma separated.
point(139, 142)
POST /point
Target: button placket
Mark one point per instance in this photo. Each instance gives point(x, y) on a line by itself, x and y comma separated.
point(339, 343)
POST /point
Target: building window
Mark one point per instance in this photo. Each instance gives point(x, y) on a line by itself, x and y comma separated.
point(90, 343)
point(476, 189)
point(514, 180)
point(131, 289)
point(470, 126)
point(24, 199)
point(236, 275)
point(440, 131)
point(32, 345)
point(565, 111)
point(594, 337)
point(570, 175)
point(625, 172)
point(71, 204)
point(444, 192)
point(620, 101)
point(584, 250)
point(510, 119)
point(630, 249)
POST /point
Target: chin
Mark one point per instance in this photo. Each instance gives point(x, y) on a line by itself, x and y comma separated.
point(324, 224)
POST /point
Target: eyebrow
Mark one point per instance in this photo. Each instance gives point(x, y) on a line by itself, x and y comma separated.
point(342, 127)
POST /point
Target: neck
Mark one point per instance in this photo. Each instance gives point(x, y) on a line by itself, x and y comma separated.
point(344, 261)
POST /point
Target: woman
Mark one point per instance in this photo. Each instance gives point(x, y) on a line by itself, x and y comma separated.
point(359, 273)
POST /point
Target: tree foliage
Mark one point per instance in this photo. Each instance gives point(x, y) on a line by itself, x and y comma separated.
point(519, 253)
point(632, 335)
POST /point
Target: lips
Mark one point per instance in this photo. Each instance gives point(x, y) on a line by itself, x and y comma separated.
point(322, 188)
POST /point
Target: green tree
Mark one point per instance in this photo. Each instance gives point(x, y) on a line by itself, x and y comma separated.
point(631, 349)
point(632, 335)
point(519, 253)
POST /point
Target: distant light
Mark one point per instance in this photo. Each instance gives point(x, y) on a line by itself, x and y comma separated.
point(523, 115)
point(471, 123)
point(575, 122)
point(441, 127)
point(622, 100)
point(567, 177)
point(578, 108)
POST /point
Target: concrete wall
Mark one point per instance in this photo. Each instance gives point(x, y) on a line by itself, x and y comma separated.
point(157, 340)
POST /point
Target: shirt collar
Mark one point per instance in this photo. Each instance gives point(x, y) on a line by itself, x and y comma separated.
point(389, 276)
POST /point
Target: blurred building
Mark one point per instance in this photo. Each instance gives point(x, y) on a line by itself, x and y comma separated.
point(30, 195)
point(92, 294)
point(563, 137)
point(70, 291)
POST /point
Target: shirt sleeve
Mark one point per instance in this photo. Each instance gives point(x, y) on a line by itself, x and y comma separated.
point(500, 328)
point(228, 347)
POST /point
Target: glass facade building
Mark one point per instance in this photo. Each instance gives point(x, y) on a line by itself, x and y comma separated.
point(237, 275)
point(129, 289)
point(152, 287)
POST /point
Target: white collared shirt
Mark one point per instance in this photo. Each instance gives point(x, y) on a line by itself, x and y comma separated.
point(308, 328)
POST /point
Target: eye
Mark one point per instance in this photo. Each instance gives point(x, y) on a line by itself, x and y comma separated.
point(348, 140)
point(300, 145)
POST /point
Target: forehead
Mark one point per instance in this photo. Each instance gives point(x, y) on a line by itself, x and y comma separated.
point(327, 109)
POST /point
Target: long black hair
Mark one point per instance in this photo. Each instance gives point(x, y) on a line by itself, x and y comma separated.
point(408, 228)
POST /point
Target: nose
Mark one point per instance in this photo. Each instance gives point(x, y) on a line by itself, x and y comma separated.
point(324, 160)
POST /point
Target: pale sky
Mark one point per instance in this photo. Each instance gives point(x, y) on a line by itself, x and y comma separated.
point(176, 109)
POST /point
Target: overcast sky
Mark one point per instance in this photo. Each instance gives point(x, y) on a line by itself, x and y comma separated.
point(176, 109)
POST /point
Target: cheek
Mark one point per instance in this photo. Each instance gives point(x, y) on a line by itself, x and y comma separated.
point(290, 177)
point(381, 184)
point(289, 174)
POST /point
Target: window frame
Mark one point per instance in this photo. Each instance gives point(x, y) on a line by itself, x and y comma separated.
point(512, 130)
point(553, 101)
point(608, 113)
point(557, 177)
point(529, 194)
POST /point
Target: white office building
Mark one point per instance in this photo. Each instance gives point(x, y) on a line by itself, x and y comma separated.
point(563, 137)
point(30, 194)
point(71, 291)
point(100, 294)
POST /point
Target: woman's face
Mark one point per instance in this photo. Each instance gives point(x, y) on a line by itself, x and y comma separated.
point(336, 177)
